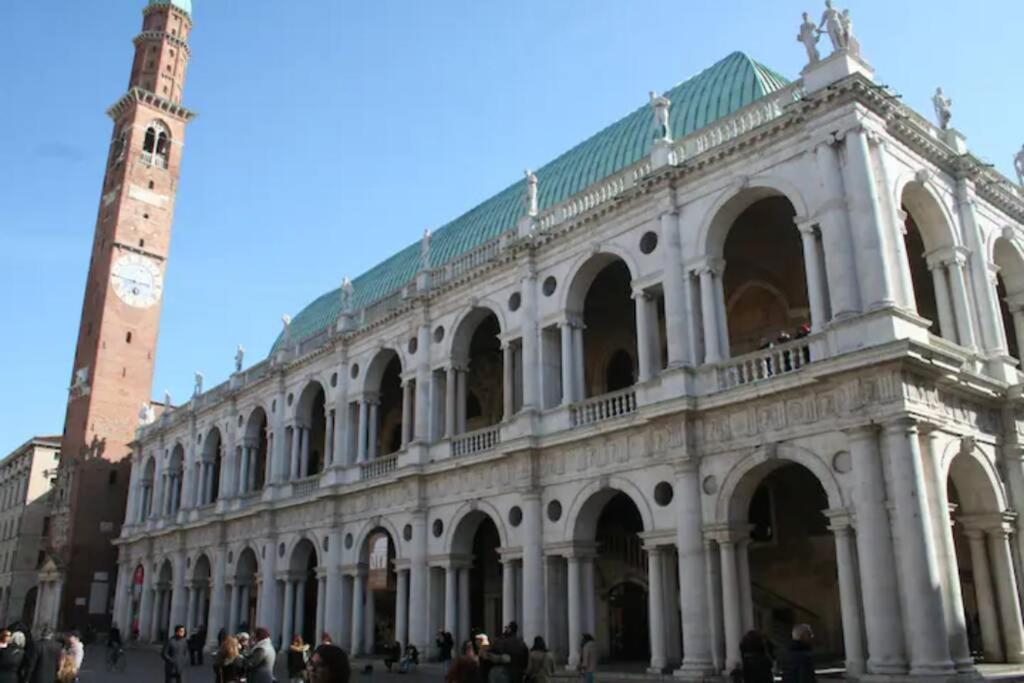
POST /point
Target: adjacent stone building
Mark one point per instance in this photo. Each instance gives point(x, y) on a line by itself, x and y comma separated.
point(746, 358)
point(26, 487)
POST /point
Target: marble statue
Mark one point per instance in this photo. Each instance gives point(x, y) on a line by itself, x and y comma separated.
point(531, 193)
point(239, 358)
point(852, 45)
point(942, 105)
point(425, 250)
point(347, 292)
point(809, 35)
point(146, 414)
point(660, 104)
point(167, 399)
point(198, 389)
point(832, 22)
point(1018, 165)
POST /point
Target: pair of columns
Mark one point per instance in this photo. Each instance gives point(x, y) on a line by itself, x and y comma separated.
point(368, 430)
point(246, 481)
point(455, 400)
point(205, 492)
point(573, 378)
point(238, 610)
point(995, 586)
point(951, 298)
point(298, 455)
point(293, 618)
point(198, 597)
point(163, 614)
point(145, 501)
point(172, 493)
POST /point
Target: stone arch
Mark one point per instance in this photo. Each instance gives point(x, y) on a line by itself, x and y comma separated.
point(743, 478)
point(476, 352)
point(311, 416)
point(734, 201)
point(922, 200)
point(466, 322)
point(247, 564)
point(975, 477)
point(464, 523)
point(302, 548)
point(586, 268)
point(378, 363)
point(383, 388)
point(211, 460)
point(1008, 258)
point(165, 573)
point(147, 488)
point(254, 452)
point(367, 530)
point(587, 504)
point(201, 568)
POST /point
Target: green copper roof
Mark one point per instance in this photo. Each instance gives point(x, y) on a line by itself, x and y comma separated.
point(184, 5)
point(718, 91)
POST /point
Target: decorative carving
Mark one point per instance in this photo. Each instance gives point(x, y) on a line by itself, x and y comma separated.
point(1018, 165)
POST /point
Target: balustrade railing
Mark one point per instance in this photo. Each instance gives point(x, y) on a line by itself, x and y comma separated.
point(378, 468)
point(476, 441)
point(765, 364)
point(306, 486)
point(601, 408)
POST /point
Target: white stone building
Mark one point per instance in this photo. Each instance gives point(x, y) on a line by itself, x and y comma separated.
point(559, 408)
point(26, 481)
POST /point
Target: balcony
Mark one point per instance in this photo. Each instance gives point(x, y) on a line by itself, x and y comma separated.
point(306, 486)
point(476, 441)
point(603, 407)
point(375, 469)
point(764, 364)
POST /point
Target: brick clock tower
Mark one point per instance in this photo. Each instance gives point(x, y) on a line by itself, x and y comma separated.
point(111, 382)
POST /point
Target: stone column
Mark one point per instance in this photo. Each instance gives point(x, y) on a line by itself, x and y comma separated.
point(1006, 590)
point(192, 602)
point(329, 438)
point(215, 618)
point(644, 335)
point(450, 389)
point(947, 329)
point(344, 607)
point(508, 591)
point(575, 610)
point(849, 595)
point(451, 601)
point(578, 375)
point(402, 608)
point(533, 595)
point(507, 380)
point(424, 381)
point(709, 314)
point(743, 573)
point(817, 286)
point(958, 285)
point(419, 588)
point(369, 619)
point(334, 602)
point(178, 605)
point(866, 222)
point(464, 624)
point(288, 619)
point(531, 338)
point(303, 464)
point(296, 452)
point(987, 616)
point(358, 598)
point(676, 304)
point(235, 602)
point(568, 365)
point(919, 572)
point(693, 578)
point(269, 609)
point(1018, 328)
point(876, 556)
point(321, 604)
point(407, 400)
point(656, 609)
point(460, 403)
point(242, 485)
point(145, 605)
point(361, 455)
point(730, 601)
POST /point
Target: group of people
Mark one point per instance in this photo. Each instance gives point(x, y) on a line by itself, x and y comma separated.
point(252, 659)
point(506, 659)
point(758, 660)
point(44, 660)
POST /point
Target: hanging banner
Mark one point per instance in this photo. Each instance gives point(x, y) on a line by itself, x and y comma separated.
point(378, 576)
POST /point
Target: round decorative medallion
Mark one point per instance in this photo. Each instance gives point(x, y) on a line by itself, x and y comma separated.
point(549, 286)
point(710, 484)
point(354, 372)
point(437, 528)
point(842, 462)
point(554, 511)
point(649, 242)
point(407, 532)
point(515, 516)
point(663, 493)
point(348, 541)
point(414, 343)
point(438, 333)
point(515, 301)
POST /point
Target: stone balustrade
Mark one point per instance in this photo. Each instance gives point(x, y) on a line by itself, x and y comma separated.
point(477, 441)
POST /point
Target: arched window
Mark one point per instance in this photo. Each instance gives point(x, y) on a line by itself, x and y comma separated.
point(156, 147)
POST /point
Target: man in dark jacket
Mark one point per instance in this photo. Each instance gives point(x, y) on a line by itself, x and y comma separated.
point(175, 656)
point(44, 658)
point(516, 648)
point(797, 665)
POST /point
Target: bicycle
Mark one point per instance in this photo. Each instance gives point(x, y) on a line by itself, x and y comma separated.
point(116, 660)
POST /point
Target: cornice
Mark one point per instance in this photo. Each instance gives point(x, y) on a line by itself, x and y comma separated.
point(137, 95)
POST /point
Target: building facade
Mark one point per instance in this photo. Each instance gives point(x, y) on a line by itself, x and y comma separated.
point(26, 485)
point(744, 359)
point(113, 367)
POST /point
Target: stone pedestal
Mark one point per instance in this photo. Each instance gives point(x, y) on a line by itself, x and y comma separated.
point(835, 67)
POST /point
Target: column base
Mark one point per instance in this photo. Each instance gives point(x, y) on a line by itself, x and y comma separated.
point(657, 670)
point(695, 671)
point(933, 669)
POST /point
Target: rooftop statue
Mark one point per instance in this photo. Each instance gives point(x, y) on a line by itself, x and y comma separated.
point(942, 111)
point(809, 35)
point(347, 292)
point(531, 193)
point(198, 389)
point(239, 358)
point(146, 414)
point(167, 399)
point(660, 104)
point(425, 250)
point(832, 22)
point(1018, 165)
point(851, 43)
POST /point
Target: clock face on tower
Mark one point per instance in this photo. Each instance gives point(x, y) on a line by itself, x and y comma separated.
point(137, 280)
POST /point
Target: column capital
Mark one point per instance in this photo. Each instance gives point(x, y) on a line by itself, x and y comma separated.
point(840, 520)
point(728, 534)
point(807, 226)
point(714, 266)
point(903, 424)
point(996, 523)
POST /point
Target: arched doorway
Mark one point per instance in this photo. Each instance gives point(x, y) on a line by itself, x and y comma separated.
point(28, 608)
point(252, 473)
point(477, 347)
point(479, 598)
point(162, 593)
point(302, 592)
point(311, 418)
point(376, 610)
point(199, 596)
point(209, 472)
point(765, 280)
point(383, 403)
point(1010, 292)
point(244, 596)
point(173, 483)
point(988, 581)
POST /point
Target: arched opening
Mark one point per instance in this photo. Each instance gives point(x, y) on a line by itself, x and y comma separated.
point(1010, 292)
point(135, 597)
point(988, 584)
point(379, 630)
point(765, 281)
point(156, 145)
point(311, 419)
point(936, 272)
point(787, 567)
point(28, 608)
point(163, 592)
point(146, 490)
point(386, 398)
point(302, 592)
point(618, 372)
point(209, 472)
point(479, 599)
point(175, 473)
point(199, 596)
point(245, 595)
point(255, 450)
point(477, 346)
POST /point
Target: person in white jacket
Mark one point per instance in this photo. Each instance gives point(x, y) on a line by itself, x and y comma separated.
point(260, 662)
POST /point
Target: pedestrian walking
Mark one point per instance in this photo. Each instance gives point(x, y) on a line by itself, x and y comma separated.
point(195, 646)
point(755, 659)
point(228, 665)
point(44, 659)
point(76, 650)
point(588, 658)
point(797, 665)
point(175, 655)
point(541, 665)
point(329, 664)
point(12, 657)
point(260, 662)
point(298, 658)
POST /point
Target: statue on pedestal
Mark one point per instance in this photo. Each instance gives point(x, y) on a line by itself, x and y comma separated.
point(531, 193)
point(198, 388)
point(239, 358)
point(347, 292)
point(942, 111)
point(1018, 165)
point(167, 400)
point(425, 250)
point(660, 105)
point(852, 46)
point(146, 415)
point(809, 35)
point(832, 22)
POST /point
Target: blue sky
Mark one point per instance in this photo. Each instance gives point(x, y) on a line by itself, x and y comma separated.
point(332, 133)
